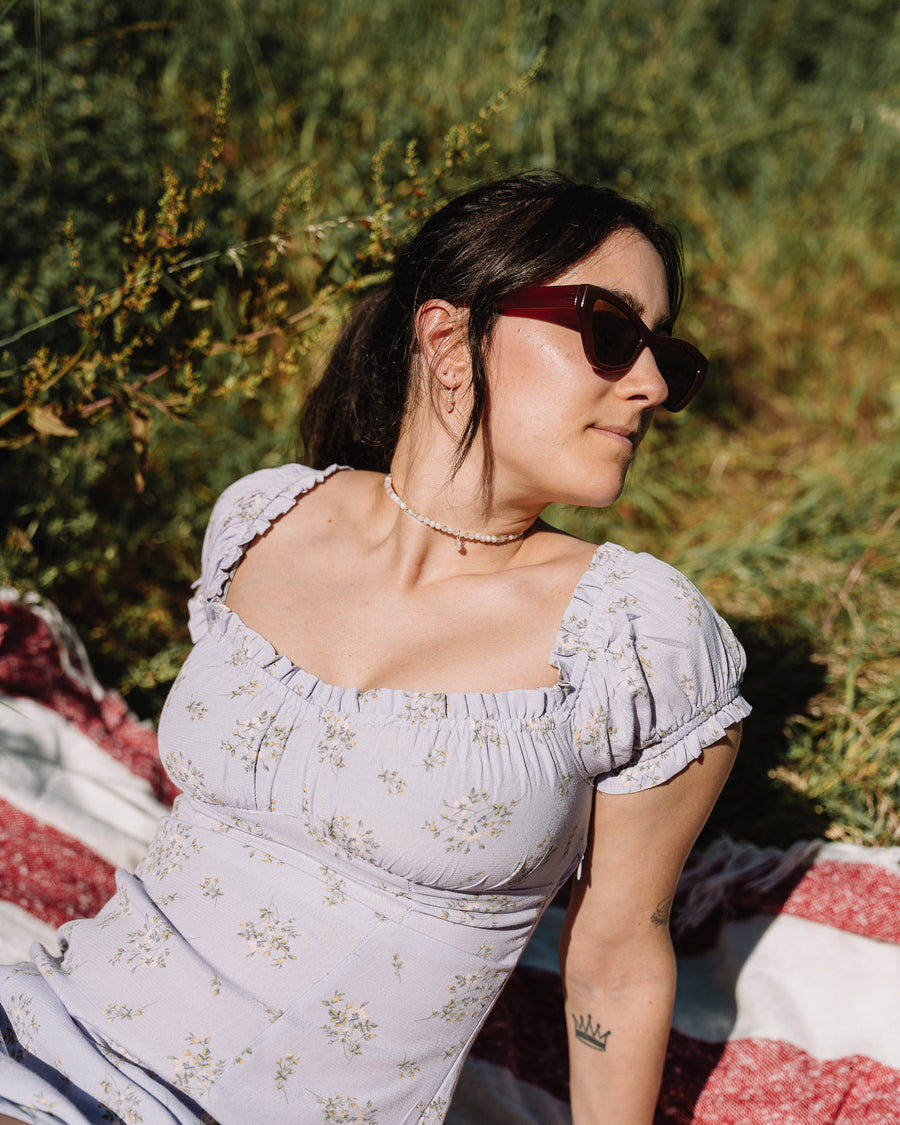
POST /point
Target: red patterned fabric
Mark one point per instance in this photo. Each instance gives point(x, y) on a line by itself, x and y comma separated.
point(856, 897)
point(50, 875)
point(41, 660)
point(763, 1082)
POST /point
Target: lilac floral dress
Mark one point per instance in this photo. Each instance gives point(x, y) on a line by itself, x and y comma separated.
point(322, 924)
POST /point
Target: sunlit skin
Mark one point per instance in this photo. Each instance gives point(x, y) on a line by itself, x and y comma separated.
point(560, 430)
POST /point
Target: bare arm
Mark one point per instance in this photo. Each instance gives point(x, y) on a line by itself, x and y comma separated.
point(617, 960)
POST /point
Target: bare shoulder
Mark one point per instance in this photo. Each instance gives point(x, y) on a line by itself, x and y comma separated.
point(556, 561)
point(325, 511)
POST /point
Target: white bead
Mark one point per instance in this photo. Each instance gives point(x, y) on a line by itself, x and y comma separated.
point(459, 536)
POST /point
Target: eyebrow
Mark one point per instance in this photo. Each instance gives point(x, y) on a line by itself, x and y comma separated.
point(665, 321)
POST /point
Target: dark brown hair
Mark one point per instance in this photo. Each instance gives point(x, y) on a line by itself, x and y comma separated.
point(498, 237)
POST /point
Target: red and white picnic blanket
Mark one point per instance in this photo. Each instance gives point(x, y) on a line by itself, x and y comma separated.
point(788, 1003)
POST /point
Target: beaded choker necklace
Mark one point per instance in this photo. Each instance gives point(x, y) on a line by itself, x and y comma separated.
point(459, 536)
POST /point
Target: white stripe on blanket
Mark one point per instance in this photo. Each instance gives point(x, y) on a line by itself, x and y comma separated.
point(53, 772)
point(805, 983)
point(18, 930)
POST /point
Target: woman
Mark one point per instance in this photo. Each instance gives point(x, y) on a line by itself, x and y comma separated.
point(386, 777)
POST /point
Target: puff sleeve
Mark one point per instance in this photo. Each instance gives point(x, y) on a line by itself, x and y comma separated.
point(244, 511)
point(654, 670)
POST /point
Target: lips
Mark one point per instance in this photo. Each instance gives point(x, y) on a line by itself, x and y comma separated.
point(620, 433)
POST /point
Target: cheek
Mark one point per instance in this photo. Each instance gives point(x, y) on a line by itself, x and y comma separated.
point(535, 368)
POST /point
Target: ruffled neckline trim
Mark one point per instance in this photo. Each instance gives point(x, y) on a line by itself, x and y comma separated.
point(416, 707)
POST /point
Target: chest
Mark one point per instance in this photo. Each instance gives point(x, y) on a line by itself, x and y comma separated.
point(470, 634)
point(464, 794)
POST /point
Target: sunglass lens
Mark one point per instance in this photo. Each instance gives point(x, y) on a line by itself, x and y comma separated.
point(616, 341)
point(615, 336)
point(678, 366)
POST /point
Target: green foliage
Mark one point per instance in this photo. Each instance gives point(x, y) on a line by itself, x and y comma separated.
point(201, 269)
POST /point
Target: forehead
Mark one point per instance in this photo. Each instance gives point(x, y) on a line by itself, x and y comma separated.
point(627, 264)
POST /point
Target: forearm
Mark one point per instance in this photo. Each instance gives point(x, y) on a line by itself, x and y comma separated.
point(618, 1026)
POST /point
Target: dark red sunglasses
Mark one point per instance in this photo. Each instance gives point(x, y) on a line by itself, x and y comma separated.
point(612, 334)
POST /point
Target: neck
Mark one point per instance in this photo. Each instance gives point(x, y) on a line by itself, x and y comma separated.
point(423, 479)
point(461, 536)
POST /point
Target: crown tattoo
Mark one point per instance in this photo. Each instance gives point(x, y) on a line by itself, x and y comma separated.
point(589, 1032)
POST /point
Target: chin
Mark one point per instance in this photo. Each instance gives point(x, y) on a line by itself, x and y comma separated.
point(597, 493)
point(603, 502)
point(591, 499)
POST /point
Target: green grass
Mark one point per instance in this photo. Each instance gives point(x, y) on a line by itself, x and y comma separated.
point(769, 132)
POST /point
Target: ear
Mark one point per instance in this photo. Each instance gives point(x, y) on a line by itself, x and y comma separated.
point(441, 334)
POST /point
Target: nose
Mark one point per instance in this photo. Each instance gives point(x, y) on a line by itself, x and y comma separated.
point(643, 381)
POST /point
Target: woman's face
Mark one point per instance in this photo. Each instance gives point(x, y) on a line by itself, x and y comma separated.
point(561, 431)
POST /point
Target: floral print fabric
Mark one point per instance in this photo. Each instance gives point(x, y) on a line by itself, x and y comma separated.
point(323, 922)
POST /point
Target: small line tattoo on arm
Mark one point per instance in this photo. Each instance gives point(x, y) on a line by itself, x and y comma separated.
point(589, 1033)
point(660, 916)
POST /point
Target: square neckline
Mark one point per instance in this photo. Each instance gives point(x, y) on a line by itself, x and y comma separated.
point(281, 667)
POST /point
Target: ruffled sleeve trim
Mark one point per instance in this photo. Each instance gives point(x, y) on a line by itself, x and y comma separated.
point(669, 757)
point(244, 511)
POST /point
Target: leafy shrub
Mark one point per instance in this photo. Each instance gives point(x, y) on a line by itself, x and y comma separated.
point(207, 267)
